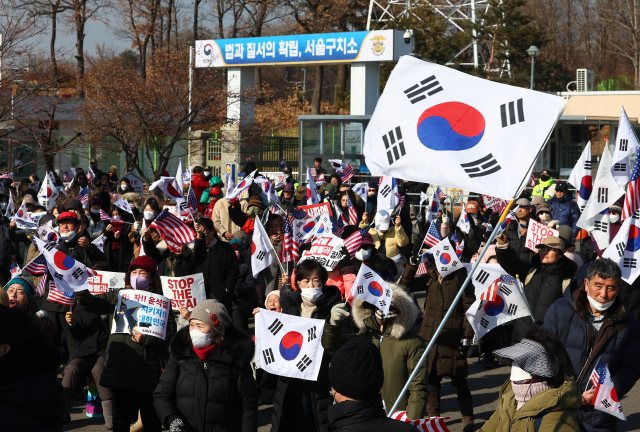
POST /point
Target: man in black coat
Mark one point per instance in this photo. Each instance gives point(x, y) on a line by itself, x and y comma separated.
point(592, 323)
point(356, 376)
point(517, 231)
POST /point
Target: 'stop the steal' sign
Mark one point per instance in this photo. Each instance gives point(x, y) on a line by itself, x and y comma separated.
point(185, 291)
point(537, 232)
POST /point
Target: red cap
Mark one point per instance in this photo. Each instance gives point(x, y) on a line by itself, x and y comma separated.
point(68, 216)
point(215, 191)
point(145, 262)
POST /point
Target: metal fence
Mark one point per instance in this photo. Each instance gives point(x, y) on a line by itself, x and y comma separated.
point(272, 149)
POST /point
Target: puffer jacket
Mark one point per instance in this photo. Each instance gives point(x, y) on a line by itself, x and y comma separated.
point(617, 344)
point(218, 394)
point(400, 349)
point(364, 416)
point(517, 242)
point(554, 410)
point(129, 365)
point(566, 211)
point(392, 240)
point(543, 285)
point(449, 360)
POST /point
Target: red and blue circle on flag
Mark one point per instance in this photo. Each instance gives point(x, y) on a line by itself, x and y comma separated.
point(290, 345)
point(451, 126)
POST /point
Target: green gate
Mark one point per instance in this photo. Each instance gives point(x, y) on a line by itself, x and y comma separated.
point(272, 149)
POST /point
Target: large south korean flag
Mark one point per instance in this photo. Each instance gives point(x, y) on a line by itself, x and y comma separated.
point(436, 125)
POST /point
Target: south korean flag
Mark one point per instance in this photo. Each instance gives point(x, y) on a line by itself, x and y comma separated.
point(289, 346)
point(307, 229)
point(261, 248)
point(625, 248)
point(371, 288)
point(445, 257)
point(436, 125)
point(69, 274)
point(484, 276)
point(124, 205)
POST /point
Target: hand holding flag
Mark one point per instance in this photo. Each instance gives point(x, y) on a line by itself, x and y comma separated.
point(371, 288)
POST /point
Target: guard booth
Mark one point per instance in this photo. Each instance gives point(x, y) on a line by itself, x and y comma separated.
point(339, 137)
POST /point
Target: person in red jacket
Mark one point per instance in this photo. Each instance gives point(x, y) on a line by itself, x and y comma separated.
point(199, 184)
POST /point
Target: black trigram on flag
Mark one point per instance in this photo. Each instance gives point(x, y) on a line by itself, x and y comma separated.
point(275, 327)
point(360, 289)
point(77, 273)
point(512, 309)
point(620, 167)
point(603, 194)
point(629, 262)
point(620, 248)
point(386, 190)
point(587, 165)
point(481, 167)
point(268, 356)
point(605, 402)
point(416, 93)
point(600, 226)
point(382, 303)
point(484, 323)
point(368, 275)
point(482, 276)
point(394, 145)
point(311, 333)
point(260, 255)
point(636, 214)
point(505, 290)
point(512, 113)
point(624, 144)
point(304, 363)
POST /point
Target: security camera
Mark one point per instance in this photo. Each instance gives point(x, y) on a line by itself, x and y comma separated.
point(407, 37)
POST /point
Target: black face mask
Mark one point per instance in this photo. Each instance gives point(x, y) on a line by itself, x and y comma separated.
point(544, 177)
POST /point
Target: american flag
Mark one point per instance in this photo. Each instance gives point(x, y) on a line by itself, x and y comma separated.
point(353, 214)
point(401, 199)
point(66, 177)
point(440, 194)
point(105, 217)
point(290, 250)
point(346, 173)
point(84, 195)
point(422, 268)
point(42, 285)
point(7, 176)
point(459, 244)
point(173, 231)
point(354, 241)
point(338, 228)
point(632, 199)
point(67, 298)
point(192, 200)
point(507, 279)
point(90, 175)
point(492, 291)
point(532, 180)
point(431, 424)
point(37, 266)
point(433, 236)
point(598, 374)
point(298, 213)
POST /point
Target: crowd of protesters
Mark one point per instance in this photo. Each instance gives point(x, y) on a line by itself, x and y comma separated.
point(201, 377)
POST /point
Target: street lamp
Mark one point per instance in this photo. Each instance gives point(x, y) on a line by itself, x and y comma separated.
point(533, 52)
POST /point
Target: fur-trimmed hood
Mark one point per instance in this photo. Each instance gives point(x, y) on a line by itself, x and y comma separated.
point(132, 196)
point(238, 351)
point(401, 324)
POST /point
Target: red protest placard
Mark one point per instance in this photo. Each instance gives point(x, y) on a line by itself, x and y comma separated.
point(316, 209)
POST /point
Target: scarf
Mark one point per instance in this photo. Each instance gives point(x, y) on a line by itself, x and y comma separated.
point(115, 245)
point(526, 391)
point(307, 308)
point(206, 352)
point(248, 226)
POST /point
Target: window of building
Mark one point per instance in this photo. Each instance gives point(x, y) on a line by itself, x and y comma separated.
point(214, 150)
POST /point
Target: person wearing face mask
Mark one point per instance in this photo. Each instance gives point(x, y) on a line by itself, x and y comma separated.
point(541, 393)
point(615, 222)
point(544, 211)
point(214, 181)
point(388, 238)
point(301, 405)
point(545, 181)
point(97, 225)
point(208, 382)
point(565, 210)
point(150, 211)
point(592, 323)
point(399, 347)
point(124, 186)
point(117, 247)
point(133, 361)
point(364, 254)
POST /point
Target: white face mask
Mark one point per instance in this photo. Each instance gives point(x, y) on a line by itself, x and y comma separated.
point(68, 236)
point(148, 215)
point(123, 187)
point(614, 218)
point(363, 254)
point(3, 206)
point(545, 217)
point(207, 173)
point(600, 307)
point(199, 339)
point(311, 294)
point(95, 211)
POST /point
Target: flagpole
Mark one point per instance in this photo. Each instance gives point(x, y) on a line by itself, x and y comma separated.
point(5, 287)
point(446, 317)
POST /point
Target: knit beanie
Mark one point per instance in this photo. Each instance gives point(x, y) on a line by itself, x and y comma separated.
point(212, 313)
point(356, 370)
point(26, 284)
point(145, 262)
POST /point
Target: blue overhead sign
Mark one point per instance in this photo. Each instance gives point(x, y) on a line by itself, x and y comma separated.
point(366, 46)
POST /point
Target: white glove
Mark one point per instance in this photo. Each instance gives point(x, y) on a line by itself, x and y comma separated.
point(338, 313)
point(136, 226)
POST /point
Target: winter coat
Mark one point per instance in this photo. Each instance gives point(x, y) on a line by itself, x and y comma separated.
point(20, 244)
point(394, 239)
point(221, 220)
point(445, 354)
point(290, 388)
point(364, 416)
point(31, 399)
point(517, 242)
point(182, 264)
point(199, 184)
point(219, 266)
point(91, 333)
point(400, 349)
point(206, 194)
point(246, 295)
point(134, 238)
point(554, 409)
point(97, 229)
point(118, 259)
point(129, 365)
point(216, 395)
point(566, 211)
point(541, 188)
point(617, 344)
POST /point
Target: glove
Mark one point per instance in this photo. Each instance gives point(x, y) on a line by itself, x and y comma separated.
point(136, 226)
point(339, 313)
point(177, 425)
point(465, 343)
point(415, 260)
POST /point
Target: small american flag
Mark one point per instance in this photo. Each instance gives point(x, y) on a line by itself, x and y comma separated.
point(90, 175)
point(354, 241)
point(598, 374)
point(353, 214)
point(632, 199)
point(401, 199)
point(290, 250)
point(84, 195)
point(7, 176)
point(431, 424)
point(299, 214)
point(532, 180)
point(433, 236)
point(62, 297)
point(459, 244)
point(37, 266)
point(66, 177)
point(440, 194)
point(492, 291)
point(42, 285)
point(173, 231)
point(346, 173)
point(507, 279)
point(422, 268)
point(105, 217)
point(192, 200)
point(338, 228)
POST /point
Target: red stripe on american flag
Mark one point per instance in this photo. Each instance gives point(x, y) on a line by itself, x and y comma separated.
point(632, 200)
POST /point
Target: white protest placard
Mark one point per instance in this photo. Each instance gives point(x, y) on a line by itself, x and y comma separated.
point(327, 250)
point(185, 291)
point(537, 232)
point(105, 281)
point(496, 204)
point(146, 312)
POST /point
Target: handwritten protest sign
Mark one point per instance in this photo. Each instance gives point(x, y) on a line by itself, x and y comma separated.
point(496, 204)
point(185, 291)
point(537, 232)
point(146, 312)
point(327, 250)
point(105, 281)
